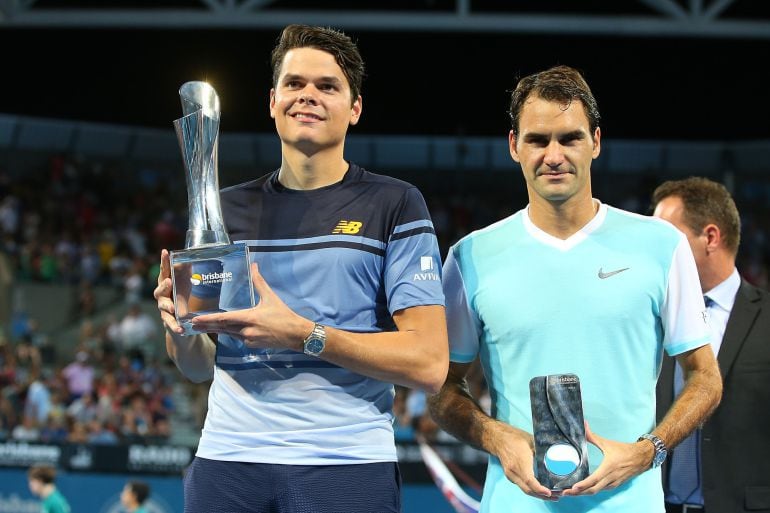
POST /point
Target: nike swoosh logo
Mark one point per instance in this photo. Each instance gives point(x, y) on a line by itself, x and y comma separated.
point(603, 275)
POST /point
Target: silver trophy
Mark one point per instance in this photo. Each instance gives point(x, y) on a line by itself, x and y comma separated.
point(211, 274)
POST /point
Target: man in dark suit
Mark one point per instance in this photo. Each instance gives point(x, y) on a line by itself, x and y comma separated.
point(724, 467)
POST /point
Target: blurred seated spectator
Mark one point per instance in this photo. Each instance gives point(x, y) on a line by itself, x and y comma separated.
point(27, 431)
point(100, 434)
point(84, 409)
point(78, 433)
point(79, 376)
point(54, 430)
point(138, 333)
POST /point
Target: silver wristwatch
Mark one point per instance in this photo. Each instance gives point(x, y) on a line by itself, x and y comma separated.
point(315, 342)
point(660, 449)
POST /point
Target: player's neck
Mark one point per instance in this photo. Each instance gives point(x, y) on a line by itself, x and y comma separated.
point(303, 171)
point(562, 219)
point(47, 490)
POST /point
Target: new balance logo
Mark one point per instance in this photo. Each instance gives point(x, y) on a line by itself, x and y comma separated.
point(603, 275)
point(348, 227)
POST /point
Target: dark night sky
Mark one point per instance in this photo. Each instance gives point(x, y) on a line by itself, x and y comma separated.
point(444, 84)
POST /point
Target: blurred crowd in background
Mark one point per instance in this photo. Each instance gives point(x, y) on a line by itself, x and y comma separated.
point(89, 225)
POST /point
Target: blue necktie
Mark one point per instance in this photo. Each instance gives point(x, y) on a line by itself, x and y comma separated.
point(684, 470)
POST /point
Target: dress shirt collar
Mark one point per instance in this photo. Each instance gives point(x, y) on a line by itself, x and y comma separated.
point(723, 295)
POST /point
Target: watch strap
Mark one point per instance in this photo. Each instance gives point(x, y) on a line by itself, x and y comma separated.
point(660, 449)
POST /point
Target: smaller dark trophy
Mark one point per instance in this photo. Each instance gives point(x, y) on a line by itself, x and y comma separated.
point(211, 274)
point(561, 450)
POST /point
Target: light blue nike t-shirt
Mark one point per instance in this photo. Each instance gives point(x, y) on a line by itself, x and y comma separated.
point(603, 304)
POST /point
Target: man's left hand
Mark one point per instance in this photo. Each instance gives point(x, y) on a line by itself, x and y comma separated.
point(621, 462)
point(270, 324)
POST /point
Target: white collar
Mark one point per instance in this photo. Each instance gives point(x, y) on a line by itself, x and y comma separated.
point(724, 293)
point(574, 239)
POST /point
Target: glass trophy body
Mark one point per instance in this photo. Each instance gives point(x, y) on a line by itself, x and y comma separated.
point(211, 274)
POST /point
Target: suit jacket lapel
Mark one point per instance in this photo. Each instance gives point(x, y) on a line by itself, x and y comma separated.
point(742, 317)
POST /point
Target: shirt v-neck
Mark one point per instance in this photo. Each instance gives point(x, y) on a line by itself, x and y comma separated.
point(574, 239)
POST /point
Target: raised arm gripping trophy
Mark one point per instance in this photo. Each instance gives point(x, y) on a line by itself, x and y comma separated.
point(211, 274)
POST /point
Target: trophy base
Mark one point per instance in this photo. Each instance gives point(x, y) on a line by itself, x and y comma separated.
point(186, 321)
point(210, 279)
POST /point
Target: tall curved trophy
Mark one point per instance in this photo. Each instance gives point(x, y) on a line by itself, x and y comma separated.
point(211, 274)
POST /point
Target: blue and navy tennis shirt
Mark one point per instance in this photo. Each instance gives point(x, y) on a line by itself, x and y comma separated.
point(348, 256)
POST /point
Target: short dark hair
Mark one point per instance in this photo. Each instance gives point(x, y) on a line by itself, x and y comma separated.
point(558, 84)
point(705, 202)
point(43, 473)
point(329, 40)
point(140, 489)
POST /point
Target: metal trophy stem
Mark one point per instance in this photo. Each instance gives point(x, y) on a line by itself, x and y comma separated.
point(198, 136)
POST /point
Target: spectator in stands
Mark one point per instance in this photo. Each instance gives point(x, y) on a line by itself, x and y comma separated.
point(38, 403)
point(138, 332)
point(84, 409)
point(66, 253)
point(79, 376)
point(54, 430)
point(10, 208)
point(100, 434)
point(85, 306)
point(58, 409)
point(138, 412)
point(134, 282)
point(161, 431)
point(90, 264)
point(42, 482)
point(108, 402)
point(134, 495)
point(78, 432)
point(27, 431)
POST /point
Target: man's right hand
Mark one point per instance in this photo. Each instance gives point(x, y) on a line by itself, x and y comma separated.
point(460, 415)
point(515, 450)
point(163, 295)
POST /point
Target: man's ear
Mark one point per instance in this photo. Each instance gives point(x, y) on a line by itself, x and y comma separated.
point(512, 146)
point(355, 110)
point(713, 237)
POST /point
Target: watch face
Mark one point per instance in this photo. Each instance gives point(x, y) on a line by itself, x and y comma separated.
point(660, 457)
point(314, 346)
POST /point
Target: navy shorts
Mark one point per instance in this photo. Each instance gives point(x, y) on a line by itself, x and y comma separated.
point(234, 487)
